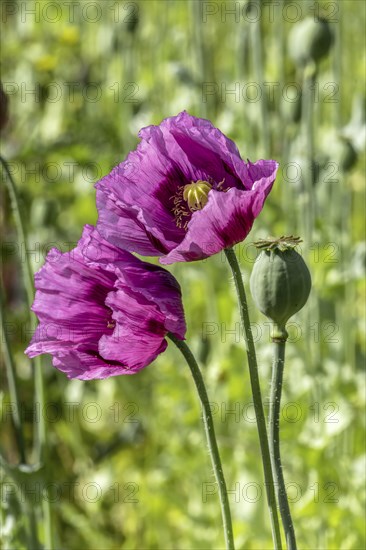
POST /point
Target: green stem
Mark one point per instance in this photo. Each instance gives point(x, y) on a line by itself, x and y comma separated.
point(309, 216)
point(12, 383)
point(274, 442)
point(27, 271)
point(28, 283)
point(204, 61)
point(33, 531)
point(40, 426)
point(258, 65)
point(337, 65)
point(28, 509)
point(307, 116)
point(257, 398)
point(211, 438)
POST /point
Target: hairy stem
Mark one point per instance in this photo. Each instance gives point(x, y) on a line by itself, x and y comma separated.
point(211, 438)
point(274, 442)
point(257, 398)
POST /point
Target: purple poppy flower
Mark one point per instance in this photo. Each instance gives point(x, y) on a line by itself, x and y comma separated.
point(184, 194)
point(102, 311)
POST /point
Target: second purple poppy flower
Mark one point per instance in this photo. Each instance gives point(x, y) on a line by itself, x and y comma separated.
point(102, 311)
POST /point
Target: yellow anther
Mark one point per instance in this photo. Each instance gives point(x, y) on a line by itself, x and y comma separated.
point(196, 194)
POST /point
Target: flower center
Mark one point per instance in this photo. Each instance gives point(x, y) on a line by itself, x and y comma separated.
point(196, 194)
point(192, 197)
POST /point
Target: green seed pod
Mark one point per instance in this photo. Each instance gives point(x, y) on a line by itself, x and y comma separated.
point(309, 40)
point(280, 282)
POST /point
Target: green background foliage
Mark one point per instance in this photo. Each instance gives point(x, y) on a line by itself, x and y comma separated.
point(127, 464)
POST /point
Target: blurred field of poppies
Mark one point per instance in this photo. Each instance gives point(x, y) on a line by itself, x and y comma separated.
point(125, 464)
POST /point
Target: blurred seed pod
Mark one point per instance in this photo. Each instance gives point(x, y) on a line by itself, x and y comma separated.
point(133, 20)
point(355, 130)
point(297, 169)
point(343, 153)
point(309, 40)
point(4, 108)
point(250, 9)
point(357, 268)
point(182, 74)
point(339, 149)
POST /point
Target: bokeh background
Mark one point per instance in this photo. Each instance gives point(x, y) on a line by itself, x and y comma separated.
point(125, 461)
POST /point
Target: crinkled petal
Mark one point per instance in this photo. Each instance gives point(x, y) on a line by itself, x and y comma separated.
point(158, 287)
point(50, 338)
point(259, 175)
point(153, 282)
point(85, 365)
point(136, 218)
point(226, 220)
point(138, 337)
point(120, 225)
point(69, 300)
point(198, 148)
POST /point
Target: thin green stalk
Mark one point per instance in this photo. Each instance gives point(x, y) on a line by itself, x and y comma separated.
point(211, 438)
point(40, 426)
point(308, 99)
point(48, 533)
point(16, 474)
point(128, 75)
point(204, 61)
point(27, 271)
point(337, 65)
point(33, 531)
point(274, 442)
point(281, 44)
point(257, 398)
point(258, 65)
point(12, 383)
point(28, 283)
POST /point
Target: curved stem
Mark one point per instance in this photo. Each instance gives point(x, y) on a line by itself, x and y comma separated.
point(274, 442)
point(40, 426)
point(27, 507)
point(12, 383)
point(14, 199)
point(257, 398)
point(211, 438)
point(28, 283)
